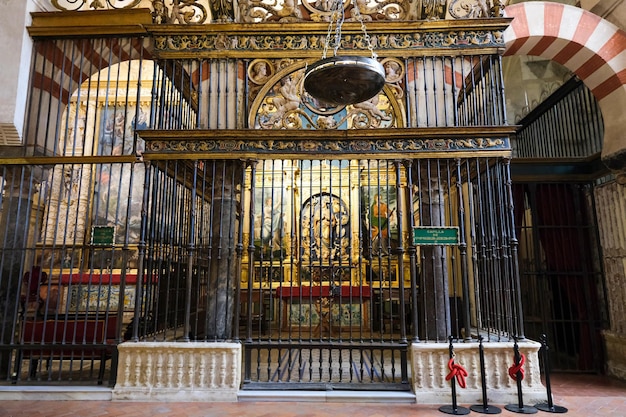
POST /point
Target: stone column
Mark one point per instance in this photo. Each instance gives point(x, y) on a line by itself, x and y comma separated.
point(222, 254)
point(434, 271)
point(20, 186)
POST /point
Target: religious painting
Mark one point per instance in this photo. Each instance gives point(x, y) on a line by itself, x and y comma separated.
point(379, 220)
point(322, 313)
point(118, 124)
point(270, 220)
point(325, 230)
point(92, 298)
point(316, 274)
point(116, 181)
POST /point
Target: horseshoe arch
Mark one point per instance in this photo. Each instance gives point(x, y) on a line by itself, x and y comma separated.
point(590, 47)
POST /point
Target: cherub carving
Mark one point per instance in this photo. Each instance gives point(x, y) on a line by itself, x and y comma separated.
point(287, 101)
point(178, 15)
point(371, 106)
point(250, 10)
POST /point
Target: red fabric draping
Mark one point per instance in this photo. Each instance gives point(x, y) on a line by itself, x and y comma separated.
point(559, 216)
point(561, 212)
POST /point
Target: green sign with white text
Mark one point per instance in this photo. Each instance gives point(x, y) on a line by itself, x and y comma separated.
point(102, 235)
point(436, 235)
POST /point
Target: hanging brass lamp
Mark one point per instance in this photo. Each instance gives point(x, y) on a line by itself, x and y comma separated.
point(346, 79)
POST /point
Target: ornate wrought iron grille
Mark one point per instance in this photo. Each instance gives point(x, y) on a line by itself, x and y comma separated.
point(567, 125)
point(319, 255)
point(175, 199)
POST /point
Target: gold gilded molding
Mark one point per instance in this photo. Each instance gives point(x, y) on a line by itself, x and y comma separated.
point(386, 143)
point(321, 147)
point(270, 40)
point(302, 45)
point(90, 23)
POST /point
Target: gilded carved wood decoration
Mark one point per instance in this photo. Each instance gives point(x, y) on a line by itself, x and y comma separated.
point(303, 44)
point(69, 5)
point(286, 147)
point(280, 102)
point(278, 144)
point(255, 11)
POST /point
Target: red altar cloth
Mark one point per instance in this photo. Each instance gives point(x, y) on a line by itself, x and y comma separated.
point(322, 291)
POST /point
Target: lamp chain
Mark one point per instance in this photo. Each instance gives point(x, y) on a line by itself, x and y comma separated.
point(366, 36)
point(337, 17)
point(341, 16)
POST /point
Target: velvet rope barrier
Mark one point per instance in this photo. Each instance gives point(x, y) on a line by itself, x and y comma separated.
point(457, 371)
point(516, 372)
point(519, 367)
point(483, 408)
point(457, 375)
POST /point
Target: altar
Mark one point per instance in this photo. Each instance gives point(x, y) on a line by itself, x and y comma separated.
point(324, 308)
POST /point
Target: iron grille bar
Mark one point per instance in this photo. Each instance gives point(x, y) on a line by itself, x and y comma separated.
point(567, 125)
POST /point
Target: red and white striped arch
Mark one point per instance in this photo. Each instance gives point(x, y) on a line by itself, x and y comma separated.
point(589, 46)
point(62, 65)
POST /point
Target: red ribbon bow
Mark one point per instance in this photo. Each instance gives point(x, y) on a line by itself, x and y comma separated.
point(457, 371)
point(513, 370)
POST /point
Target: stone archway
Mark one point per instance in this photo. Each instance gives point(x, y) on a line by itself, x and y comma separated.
point(589, 46)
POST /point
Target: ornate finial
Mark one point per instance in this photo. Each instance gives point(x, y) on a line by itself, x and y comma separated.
point(160, 13)
point(183, 12)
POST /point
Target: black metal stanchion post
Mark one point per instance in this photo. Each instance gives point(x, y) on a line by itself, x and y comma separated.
point(517, 372)
point(549, 407)
point(454, 408)
point(483, 408)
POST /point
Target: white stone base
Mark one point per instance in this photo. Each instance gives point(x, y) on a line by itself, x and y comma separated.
point(429, 369)
point(333, 396)
point(167, 371)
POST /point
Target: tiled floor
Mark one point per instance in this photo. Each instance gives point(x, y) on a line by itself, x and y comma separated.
point(583, 395)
